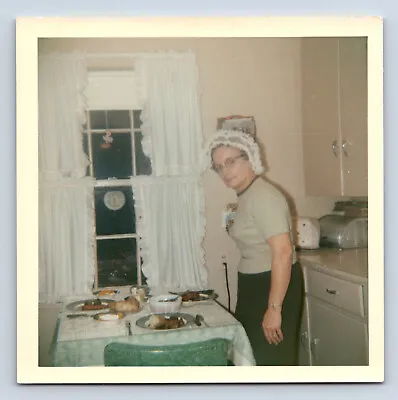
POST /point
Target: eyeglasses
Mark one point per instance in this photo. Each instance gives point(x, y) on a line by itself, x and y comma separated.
point(229, 163)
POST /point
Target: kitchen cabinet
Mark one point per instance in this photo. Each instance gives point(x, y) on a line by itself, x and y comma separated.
point(337, 328)
point(334, 116)
point(337, 338)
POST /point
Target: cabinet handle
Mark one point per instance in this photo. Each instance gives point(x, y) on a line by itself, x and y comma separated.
point(331, 291)
point(344, 146)
point(314, 343)
point(334, 148)
point(304, 338)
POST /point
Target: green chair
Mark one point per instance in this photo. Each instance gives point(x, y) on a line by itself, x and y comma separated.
point(207, 353)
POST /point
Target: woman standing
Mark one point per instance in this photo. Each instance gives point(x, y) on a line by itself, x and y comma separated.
point(270, 284)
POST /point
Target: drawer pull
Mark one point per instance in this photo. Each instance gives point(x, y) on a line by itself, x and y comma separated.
point(330, 291)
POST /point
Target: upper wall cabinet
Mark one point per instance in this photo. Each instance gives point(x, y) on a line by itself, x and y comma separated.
point(334, 90)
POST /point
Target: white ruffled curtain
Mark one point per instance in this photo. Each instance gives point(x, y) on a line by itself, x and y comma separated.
point(65, 238)
point(171, 120)
point(171, 203)
point(66, 218)
point(170, 219)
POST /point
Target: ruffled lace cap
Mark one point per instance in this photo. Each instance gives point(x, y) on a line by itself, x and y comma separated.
point(239, 139)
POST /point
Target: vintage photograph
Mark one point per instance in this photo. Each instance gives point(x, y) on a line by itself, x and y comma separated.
point(146, 143)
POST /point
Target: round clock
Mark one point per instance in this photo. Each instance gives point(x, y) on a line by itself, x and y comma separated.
point(114, 199)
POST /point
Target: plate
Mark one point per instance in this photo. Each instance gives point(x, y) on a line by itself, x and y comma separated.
point(77, 305)
point(108, 316)
point(186, 318)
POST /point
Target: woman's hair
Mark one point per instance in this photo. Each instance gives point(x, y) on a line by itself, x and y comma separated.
point(234, 138)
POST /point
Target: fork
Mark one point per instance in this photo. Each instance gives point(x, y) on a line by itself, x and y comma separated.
point(128, 326)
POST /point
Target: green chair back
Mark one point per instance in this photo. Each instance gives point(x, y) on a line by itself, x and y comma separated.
point(213, 352)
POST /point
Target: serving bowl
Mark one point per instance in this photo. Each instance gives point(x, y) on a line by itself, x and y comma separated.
point(165, 303)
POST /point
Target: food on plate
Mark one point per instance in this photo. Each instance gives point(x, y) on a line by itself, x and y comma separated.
point(106, 292)
point(109, 316)
point(154, 321)
point(90, 305)
point(192, 296)
point(161, 322)
point(130, 305)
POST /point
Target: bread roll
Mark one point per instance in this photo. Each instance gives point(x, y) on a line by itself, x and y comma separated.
point(155, 321)
point(159, 322)
point(128, 306)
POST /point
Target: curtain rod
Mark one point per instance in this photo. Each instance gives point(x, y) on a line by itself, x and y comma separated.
point(117, 55)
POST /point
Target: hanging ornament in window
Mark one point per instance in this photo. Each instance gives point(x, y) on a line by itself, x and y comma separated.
point(107, 140)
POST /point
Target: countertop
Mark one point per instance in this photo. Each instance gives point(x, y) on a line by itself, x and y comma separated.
point(349, 264)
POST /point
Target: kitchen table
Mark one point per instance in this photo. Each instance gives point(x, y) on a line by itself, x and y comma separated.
point(81, 341)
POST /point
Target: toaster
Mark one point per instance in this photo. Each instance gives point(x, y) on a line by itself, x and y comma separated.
point(343, 232)
point(308, 233)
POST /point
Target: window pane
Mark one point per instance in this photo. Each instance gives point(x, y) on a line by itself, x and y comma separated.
point(97, 120)
point(114, 210)
point(142, 162)
point(117, 262)
point(136, 119)
point(112, 160)
point(119, 119)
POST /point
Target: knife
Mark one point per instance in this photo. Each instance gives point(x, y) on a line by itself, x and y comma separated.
point(77, 315)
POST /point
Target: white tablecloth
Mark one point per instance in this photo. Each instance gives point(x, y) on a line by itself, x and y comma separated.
point(81, 341)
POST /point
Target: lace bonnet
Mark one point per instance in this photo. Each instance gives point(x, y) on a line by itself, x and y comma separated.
point(239, 139)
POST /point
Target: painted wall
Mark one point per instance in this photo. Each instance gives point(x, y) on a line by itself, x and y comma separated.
point(252, 76)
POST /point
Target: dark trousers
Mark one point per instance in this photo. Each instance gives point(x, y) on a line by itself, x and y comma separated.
point(253, 292)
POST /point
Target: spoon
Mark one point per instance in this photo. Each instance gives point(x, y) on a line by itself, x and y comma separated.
point(169, 300)
point(199, 319)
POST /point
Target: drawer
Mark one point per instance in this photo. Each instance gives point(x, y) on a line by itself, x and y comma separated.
point(340, 293)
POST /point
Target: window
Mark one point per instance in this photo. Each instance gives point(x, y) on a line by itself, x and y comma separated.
point(113, 143)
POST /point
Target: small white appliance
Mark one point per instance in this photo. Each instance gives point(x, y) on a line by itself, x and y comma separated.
point(308, 233)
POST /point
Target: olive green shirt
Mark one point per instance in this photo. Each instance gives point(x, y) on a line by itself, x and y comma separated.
point(262, 212)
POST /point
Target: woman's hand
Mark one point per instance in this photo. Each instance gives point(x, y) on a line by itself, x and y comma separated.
point(272, 323)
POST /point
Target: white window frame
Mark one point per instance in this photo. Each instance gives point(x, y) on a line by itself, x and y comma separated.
point(108, 91)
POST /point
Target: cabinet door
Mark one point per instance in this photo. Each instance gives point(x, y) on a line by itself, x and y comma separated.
point(304, 345)
point(321, 116)
point(336, 338)
point(353, 104)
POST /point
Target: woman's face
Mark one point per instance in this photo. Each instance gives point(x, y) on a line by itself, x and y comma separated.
point(233, 167)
